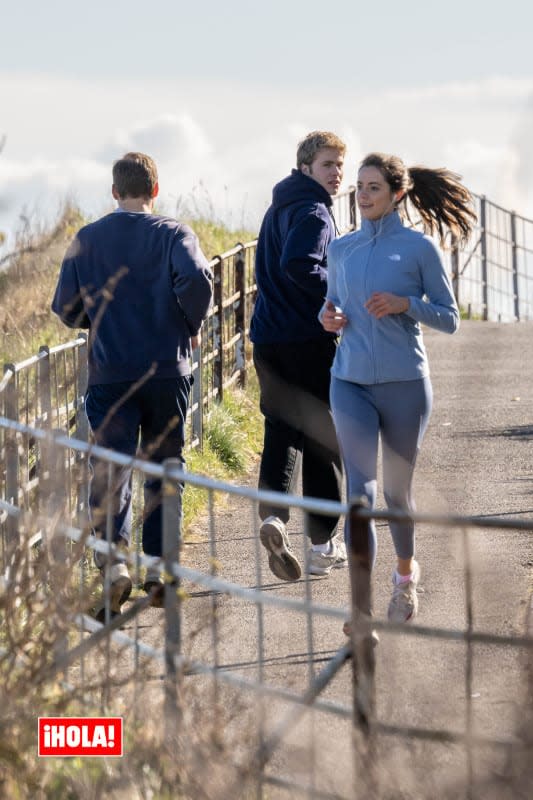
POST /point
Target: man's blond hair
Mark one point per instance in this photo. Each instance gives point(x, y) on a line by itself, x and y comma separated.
point(315, 141)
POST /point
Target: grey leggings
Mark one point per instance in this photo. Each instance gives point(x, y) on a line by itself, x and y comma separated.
point(398, 411)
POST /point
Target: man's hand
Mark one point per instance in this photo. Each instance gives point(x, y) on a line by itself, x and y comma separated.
point(381, 304)
point(333, 320)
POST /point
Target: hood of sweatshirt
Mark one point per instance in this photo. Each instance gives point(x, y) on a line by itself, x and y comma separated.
point(298, 187)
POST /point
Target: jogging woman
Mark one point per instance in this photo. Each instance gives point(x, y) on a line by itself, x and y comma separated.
point(384, 281)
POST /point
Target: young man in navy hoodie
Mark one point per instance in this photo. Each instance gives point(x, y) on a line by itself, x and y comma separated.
point(293, 354)
point(142, 286)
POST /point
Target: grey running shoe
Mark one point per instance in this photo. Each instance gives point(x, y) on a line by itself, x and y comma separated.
point(281, 559)
point(323, 563)
point(119, 591)
point(403, 606)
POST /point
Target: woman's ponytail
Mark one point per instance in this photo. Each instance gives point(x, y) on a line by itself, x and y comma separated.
point(442, 201)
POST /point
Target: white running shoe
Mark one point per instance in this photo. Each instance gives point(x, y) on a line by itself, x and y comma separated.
point(323, 563)
point(403, 606)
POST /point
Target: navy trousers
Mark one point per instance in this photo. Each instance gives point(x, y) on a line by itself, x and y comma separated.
point(147, 420)
point(294, 381)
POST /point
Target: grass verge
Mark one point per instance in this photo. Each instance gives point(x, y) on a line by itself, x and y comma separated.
point(232, 440)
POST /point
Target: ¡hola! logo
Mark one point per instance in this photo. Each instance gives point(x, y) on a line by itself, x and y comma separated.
point(80, 736)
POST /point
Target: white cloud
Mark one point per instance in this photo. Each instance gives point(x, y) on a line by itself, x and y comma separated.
point(228, 144)
point(168, 138)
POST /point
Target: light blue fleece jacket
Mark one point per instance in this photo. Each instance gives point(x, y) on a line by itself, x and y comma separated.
point(385, 256)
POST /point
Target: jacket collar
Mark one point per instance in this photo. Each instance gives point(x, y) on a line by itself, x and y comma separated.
point(383, 226)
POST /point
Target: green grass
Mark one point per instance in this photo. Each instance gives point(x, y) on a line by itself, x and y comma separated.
point(215, 238)
point(464, 313)
point(232, 440)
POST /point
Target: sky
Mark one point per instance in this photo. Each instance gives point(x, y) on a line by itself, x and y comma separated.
point(220, 95)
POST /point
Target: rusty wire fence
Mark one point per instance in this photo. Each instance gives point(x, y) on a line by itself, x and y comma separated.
point(311, 712)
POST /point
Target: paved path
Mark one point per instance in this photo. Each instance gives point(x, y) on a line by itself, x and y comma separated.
point(476, 459)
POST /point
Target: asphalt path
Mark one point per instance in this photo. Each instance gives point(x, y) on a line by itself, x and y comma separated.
point(476, 460)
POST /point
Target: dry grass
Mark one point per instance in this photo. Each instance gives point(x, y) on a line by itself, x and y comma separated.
point(28, 279)
point(26, 288)
point(38, 603)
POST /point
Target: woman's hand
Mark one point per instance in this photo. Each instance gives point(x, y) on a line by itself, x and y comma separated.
point(381, 304)
point(332, 318)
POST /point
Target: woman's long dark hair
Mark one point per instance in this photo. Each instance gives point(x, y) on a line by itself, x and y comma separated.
point(443, 202)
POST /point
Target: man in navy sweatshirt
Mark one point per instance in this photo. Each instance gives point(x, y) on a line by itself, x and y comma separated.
point(293, 354)
point(142, 286)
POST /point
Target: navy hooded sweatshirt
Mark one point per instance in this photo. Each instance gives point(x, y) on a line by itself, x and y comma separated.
point(291, 266)
point(142, 286)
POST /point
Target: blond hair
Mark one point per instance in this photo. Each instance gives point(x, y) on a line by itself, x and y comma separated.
point(315, 141)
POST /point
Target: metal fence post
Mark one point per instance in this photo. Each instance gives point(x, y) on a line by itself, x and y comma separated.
point(11, 451)
point(352, 204)
point(172, 517)
point(44, 386)
point(484, 263)
point(454, 259)
point(197, 396)
point(361, 596)
point(82, 379)
point(514, 256)
point(81, 433)
point(218, 325)
point(240, 314)
point(53, 496)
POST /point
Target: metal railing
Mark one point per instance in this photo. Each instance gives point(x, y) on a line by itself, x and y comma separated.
point(493, 274)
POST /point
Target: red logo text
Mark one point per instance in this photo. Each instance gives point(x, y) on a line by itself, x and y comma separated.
point(80, 736)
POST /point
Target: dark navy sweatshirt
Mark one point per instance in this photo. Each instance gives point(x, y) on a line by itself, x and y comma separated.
point(142, 285)
point(291, 265)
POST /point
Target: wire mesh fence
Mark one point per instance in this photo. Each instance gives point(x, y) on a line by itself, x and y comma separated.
point(267, 663)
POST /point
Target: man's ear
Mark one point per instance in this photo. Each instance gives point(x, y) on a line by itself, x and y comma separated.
point(305, 169)
point(155, 191)
point(114, 192)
